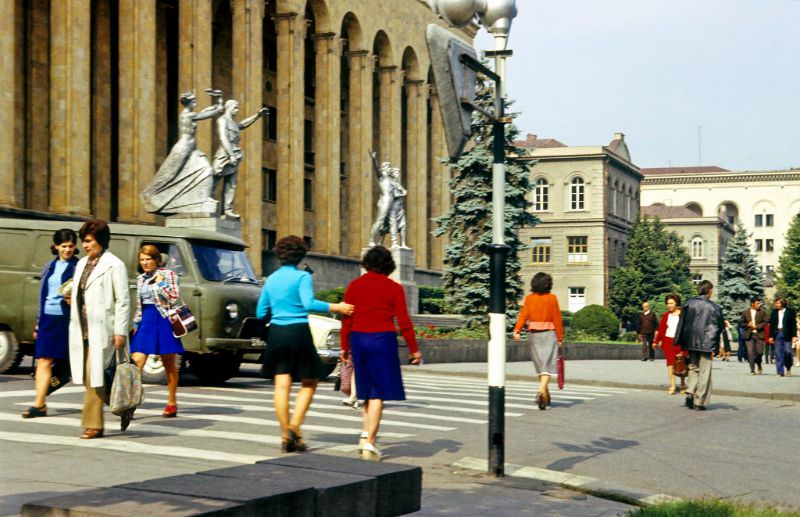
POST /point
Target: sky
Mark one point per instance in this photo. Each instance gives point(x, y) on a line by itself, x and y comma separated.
point(657, 70)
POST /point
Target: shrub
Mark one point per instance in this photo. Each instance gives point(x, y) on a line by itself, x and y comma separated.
point(629, 336)
point(334, 295)
point(596, 320)
point(432, 306)
point(566, 317)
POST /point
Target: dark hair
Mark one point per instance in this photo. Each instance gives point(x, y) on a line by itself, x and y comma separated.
point(98, 229)
point(541, 283)
point(291, 250)
point(61, 236)
point(780, 298)
point(675, 297)
point(754, 299)
point(378, 260)
point(704, 287)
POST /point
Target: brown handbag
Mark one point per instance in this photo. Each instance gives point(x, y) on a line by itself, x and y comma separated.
point(680, 367)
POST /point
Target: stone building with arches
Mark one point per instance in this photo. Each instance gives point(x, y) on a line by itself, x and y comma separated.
point(89, 100)
point(587, 198)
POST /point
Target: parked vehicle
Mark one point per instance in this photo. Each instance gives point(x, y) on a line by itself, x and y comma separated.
point(216, 278)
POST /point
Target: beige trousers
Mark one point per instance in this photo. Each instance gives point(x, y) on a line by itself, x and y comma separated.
point(698, 381)
point(93, 398)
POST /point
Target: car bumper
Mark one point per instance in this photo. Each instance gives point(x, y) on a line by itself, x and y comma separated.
point(234, 345)
point(329, 356)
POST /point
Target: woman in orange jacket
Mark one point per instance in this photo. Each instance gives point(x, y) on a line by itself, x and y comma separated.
point(541, 315)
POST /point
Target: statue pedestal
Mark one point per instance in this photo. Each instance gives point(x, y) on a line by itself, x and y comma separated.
point(404, 275)
point(228, 226)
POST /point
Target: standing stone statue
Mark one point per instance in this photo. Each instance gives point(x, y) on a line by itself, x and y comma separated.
point(229, 154)
point(391, 216)
point(183, 183)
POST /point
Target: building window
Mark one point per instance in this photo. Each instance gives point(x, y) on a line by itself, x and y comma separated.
point(697, 278)
point(268, 239)
point(759, 220)
point(309, 242)
point(270, 187)
point(308, 194)
point(540, 253)
point(769, 220)
point(769, 245)
point(697, 248)
point(759, 245)
point(272, 124)
point(577, 299)
point(577, 192)
point(541, 196)
point(577, 249)
point(308, 142)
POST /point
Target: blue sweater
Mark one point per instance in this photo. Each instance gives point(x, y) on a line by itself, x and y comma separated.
point(290, 294)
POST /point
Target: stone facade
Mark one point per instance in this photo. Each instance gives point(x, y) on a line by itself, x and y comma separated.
point(587, 198)
point(90, 104)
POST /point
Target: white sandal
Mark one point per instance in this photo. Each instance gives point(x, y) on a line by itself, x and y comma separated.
point(362, 440)
point(370, 453)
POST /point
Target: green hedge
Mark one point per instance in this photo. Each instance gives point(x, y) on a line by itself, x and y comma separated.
point(596, 320)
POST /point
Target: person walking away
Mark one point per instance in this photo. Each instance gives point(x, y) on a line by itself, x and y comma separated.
point(52, 322)
point(98, 325)
point(369, 340)
point(783, 334)
point(290, 354)
point(698, 333)
point(646, 328)
point(753, 320)
point(665, 338)
point(157, 293)
point(541, 316)
point(725, 348)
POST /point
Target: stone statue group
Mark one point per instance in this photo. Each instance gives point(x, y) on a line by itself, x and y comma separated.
point(186, 180)
point(391, 216)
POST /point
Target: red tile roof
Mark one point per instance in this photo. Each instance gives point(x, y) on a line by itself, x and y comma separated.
point(532, 142)
point(668, 212)
point(682, 170)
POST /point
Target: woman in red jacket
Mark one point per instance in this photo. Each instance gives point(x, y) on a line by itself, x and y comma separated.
point(369, 339)
point(665, 338)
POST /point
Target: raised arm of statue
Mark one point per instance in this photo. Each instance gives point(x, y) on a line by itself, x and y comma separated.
point(214, 109)
point(375, 166)
point(263, 112)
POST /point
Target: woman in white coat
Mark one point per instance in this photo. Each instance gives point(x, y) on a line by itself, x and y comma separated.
point(99, 321)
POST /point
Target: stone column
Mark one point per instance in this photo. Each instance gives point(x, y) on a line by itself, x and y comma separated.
point(390, 85)
point(38, 110)
point(8, 168)
point(137, 105)
point(291, 103)
point(247, 89)
point(361, 176)
point(440, 175)
point(102, 144)
point(327, 150)
point(194, 60)
point(70, 94)
point(417, 168)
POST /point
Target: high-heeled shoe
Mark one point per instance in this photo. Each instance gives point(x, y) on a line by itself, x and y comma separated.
point(90, 434)
point(297, 440)
point(170, 411)
point(540, 401)
point(33, 412)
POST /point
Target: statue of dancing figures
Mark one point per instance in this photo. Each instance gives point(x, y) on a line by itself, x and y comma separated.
point(184, 181)
point(229, 155)
point(391, 216)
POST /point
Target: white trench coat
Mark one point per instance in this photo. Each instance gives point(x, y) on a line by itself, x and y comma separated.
point(107, 314)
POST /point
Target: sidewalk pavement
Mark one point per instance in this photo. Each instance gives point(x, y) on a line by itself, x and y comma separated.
point(729, 378)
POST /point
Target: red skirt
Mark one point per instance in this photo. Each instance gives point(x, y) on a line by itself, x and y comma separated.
point(670, 350)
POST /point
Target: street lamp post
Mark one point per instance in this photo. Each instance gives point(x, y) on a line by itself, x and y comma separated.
point(496, 17)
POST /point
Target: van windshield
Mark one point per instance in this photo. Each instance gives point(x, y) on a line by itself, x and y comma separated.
point(220, 264)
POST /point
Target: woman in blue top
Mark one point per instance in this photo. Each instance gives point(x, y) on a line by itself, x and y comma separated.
point(52, 322)
point(290, 354)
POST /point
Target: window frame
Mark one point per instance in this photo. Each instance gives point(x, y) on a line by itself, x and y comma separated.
point(541, 250)
point(541, 195)
point(698, 248)
point(577, 193)
point(578, 252)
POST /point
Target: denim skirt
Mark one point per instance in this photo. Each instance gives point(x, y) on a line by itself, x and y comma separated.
point(376, 365)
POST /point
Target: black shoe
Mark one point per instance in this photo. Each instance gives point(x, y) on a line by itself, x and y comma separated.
point(541, 401)
point(644, 359)
point(689, 401)
point(125, 419)
point(700, 408)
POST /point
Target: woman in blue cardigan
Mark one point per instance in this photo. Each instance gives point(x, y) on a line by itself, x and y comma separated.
point(52, 322)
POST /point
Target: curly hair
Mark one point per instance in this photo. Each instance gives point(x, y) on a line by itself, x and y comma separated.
point(61, 236)
point(674, 297)
point(378, 260)
point(541, 283)
point(290, 250)
point(98, 229)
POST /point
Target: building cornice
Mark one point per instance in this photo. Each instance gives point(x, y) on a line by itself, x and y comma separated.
point(727, 177)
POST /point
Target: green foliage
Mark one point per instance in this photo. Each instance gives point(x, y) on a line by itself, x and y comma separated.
point(740, 277)
point(656, 264)
point(334, 295)
point(596, 320)
point(787, 276)
point(468, 223)
point(432, 332)
point(432, 301)
point(710, 508)
point(428, 291)
point(630, 336)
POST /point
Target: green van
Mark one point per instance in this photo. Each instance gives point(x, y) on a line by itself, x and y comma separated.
point(216, 278)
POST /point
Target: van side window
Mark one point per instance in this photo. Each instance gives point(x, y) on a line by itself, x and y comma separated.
point(171, 256)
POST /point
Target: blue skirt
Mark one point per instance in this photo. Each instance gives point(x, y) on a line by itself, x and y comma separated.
point(377, 365)
point(155, 334)
point(52, 338)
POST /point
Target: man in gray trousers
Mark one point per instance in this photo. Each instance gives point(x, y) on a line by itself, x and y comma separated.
point(698, 333)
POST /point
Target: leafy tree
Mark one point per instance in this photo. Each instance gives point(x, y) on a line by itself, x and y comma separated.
point(740, 277)
point(468, 223)
point(787, 276)
point(656, 264)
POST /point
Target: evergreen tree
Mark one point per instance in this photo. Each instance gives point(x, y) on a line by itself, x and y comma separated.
point(740, 277)
point(656, 264)
point(787, 276)
point(468, 223)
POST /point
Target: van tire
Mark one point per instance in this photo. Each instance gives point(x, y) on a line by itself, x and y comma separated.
point(154, 372)
point(214, 368)
point(11, 353)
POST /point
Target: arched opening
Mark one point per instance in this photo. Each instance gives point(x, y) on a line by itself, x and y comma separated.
point(349, 130)
point(381, 96)
point(728, 212)
point(695, 207)
point(541, 195)
point(577, 193)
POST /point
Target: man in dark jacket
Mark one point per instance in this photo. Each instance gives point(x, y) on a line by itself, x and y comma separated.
point(754, 319)
point(698, 333)
point(646, 328)
point(782, 332)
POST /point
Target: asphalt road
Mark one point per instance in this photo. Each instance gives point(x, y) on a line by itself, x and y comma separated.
point(642, 440)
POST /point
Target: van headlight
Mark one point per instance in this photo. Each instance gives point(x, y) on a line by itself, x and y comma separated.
point(233, 310)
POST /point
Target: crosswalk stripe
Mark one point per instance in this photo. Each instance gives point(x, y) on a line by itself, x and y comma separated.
point(560, 393)
point(468, 382)
point(32, 393)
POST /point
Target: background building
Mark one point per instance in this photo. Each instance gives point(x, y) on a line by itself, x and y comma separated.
point(765, 201)
point(89, 101)
point(587, 198)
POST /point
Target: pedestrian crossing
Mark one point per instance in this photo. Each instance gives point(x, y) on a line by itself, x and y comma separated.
point(235, 423)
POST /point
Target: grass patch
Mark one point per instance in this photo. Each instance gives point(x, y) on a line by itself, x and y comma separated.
point(710, 508)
